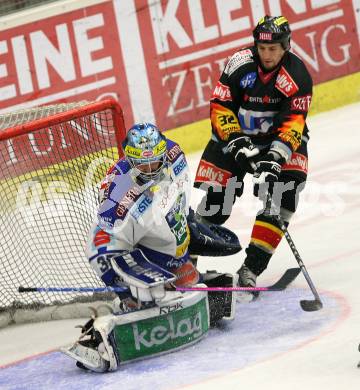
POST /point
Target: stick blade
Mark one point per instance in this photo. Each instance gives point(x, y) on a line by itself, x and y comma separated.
point(311, 305)
point(22, 289)
point(287, 278)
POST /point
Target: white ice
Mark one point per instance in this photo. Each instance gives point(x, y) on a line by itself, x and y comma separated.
point(272, 344)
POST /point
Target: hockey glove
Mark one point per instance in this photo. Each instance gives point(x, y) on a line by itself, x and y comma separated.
point(241, 148)
point(267, 171)
point(207, 239)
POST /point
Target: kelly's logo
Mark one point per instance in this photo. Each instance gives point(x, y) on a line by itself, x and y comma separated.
point(221, 92)
point(210, 173)
point(285, 84)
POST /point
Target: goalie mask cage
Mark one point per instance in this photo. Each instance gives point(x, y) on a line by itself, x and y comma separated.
point(53, 159)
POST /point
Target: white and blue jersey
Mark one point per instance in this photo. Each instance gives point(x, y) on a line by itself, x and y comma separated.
point(150, 216)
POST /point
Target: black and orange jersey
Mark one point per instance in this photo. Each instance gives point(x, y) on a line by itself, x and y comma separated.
point(269, 107)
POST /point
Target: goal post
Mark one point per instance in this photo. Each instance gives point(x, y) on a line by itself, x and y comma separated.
point(52, 160)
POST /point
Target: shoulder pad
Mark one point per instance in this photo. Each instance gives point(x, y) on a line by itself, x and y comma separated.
point(240, 58)
point(121, 167)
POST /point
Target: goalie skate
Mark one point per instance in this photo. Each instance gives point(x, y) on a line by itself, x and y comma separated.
point(87, 357)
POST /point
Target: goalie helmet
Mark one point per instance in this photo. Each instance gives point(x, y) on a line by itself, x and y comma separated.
point(145, 149)
point(273, 29)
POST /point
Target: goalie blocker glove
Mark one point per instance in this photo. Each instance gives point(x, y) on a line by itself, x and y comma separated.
point(145, 279)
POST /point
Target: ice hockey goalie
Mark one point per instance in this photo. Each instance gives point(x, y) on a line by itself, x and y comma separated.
point(145, 239)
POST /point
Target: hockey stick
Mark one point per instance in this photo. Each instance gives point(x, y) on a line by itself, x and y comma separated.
point(120, 289)
point(22, 289)
point(227, 289)
point(306, 305)
point(288, 277)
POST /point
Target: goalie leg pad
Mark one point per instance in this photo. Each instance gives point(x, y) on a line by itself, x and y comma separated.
point(178, 321)
point(221, 303)
point(93, 351)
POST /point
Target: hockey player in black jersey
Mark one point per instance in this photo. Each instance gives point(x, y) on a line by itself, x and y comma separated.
point(258, 110)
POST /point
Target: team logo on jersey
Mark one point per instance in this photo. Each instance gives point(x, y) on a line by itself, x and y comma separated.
point(298, 162)
point(301, 103)
point(240, 58)
point(261, 99)
point(173, 153)
point(177, 223)
point(221, 92)
point(285, 84)
point(179, 166)
point(248, 80)
point(127, 201)
point(208, 172)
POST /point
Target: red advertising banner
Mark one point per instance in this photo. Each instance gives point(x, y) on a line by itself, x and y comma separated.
point(198, 36)
point(161, 59)
point(68, 57)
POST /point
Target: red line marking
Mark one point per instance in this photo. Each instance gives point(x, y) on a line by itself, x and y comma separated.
point(27, 358)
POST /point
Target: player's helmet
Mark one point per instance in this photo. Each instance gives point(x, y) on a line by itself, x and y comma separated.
point(273, 29)
point(145, 149)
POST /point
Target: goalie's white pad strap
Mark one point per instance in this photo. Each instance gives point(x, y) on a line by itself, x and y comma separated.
point(148, 294)
point(104, 331)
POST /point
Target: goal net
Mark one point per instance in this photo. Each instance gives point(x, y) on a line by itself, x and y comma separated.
point(52, 161)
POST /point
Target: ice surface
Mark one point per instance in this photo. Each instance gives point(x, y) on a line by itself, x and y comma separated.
point(272, 344)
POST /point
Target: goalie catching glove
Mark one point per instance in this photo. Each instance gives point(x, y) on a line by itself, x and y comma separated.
point(210, 239)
